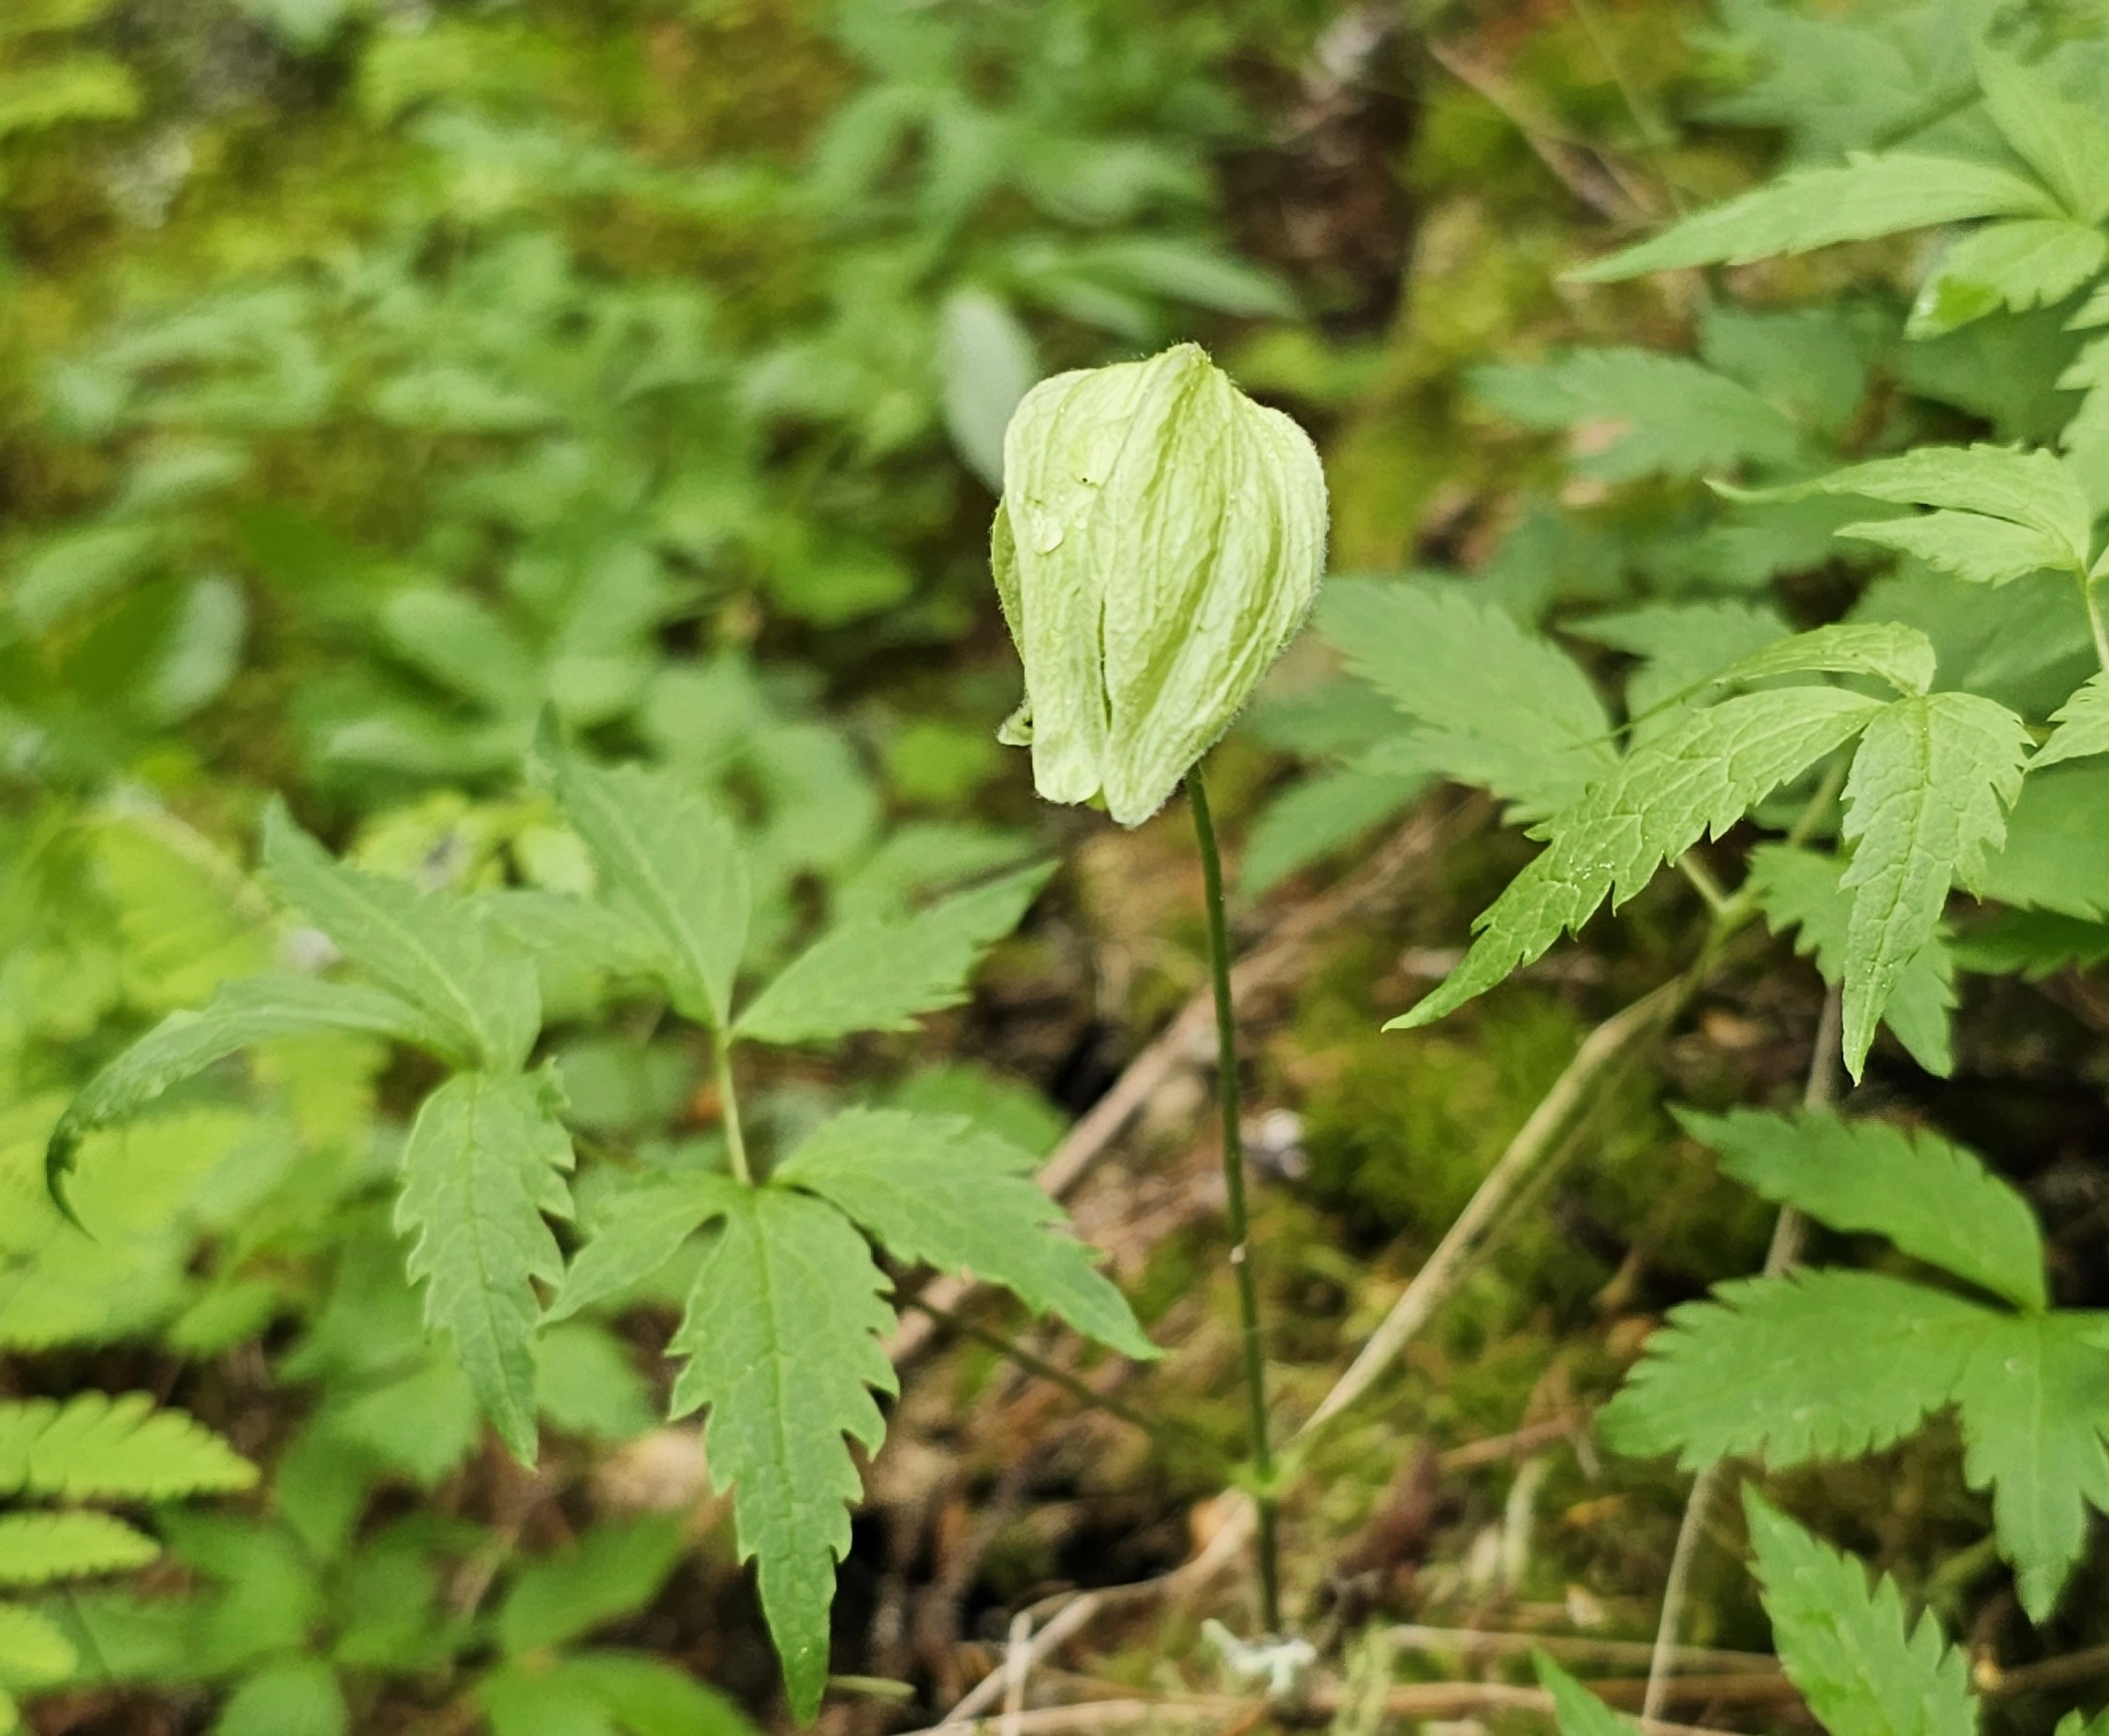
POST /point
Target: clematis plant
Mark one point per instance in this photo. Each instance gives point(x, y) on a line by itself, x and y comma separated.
point(1159, 541)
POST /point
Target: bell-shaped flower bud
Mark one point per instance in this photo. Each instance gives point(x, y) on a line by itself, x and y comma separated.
point(1159, 542)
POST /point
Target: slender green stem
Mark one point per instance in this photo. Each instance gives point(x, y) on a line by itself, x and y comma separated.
point(2091, 596)
point(728, 1103)
point(1165, 1432)
point(1703, 881)
point(1233, 1186)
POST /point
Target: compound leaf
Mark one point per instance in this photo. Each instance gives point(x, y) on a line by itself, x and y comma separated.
point(1935, 1201)
point(2083, 727)
point(2034, 1398)
point(1863, 1664)
point(1818, 1364)
point(1811, 208)
point(1924, 806)
point(935, 1190)
point(874, 975)
point(36, 1548)
point(119, 1449)
point(783, 1341)
point(433, 949)
point(484, 1161)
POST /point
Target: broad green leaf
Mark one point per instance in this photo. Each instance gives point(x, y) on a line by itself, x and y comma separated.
point(34, 1650)
point(613, 1570)
point(1673, 416)
point(586, 1384)
point(1799, 890)
point(1925, 806)
point(2064, 142)
point(1864, 1666)
point(2032, 944)
point(35, 1547)
point(1935, 1201)
point(1890, 652)
point(242, 1014)
point(2019, 265)
point(782, 1339)
point(1818, 1364)
point(1498, 705)
point(2083, 727)
point(1983, 551)
point(93, 1445)
point(1576, 1712)
point(287, 1696)
point(484, 1161)
point(636, 1231)
point(879, 976)
point(2035, 1401)
point(2053, 858)
point(1813, 208)
point(671, 863)
point(2031, 487)
point(431, 948)
point(936, 1191)
point(1700, 777)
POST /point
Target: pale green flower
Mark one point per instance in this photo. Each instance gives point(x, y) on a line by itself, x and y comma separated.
point(1159, 542)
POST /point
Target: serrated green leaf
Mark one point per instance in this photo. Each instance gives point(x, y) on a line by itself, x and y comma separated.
point(1887, 650)
point(1863, 1664)
point(2018, 265)
point(2062, 141)
point(1673, 416)
point(1499, 706)
point(1813, 208)
point(2034, 1399)
point(431, 948)
point(671, 863)
point(1799, 890)
point(34, 1650)
point(94, 1446)
point(782, 1339)
point(937, 1191)
point(287, 1696)
point(1983, 551)
point(1700, 777)
point(581, 931)
point(1684, 644)
point(2031, 487)
point(242, 1014)
point(35, 1547)
point(613, 1570)
point(2083, 727)
point(484, 1161)
point(1317, 815)
point(1820, 1364)
point(2053, 858)
point(1936, 1200)
point(880, 976)
point(1576, 1712)
point(1925, 806)
point(636, 1230)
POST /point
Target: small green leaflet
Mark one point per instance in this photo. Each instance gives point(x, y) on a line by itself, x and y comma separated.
point(36, 1548)
point(116, 1449)
point(2064, 142)
point(1888, 650)
point(934, 1191)
point(244, 1012)
point(1675, 417)
point(2031, 488)
point(431, 949)
point(1863, 1664)
point(1577, 1712)
point(1867, 196)
point(34, 1650)
point(636, 1231)
point(2018, 265)
point(1936, 1201)
point(616, 1567)
point(1925, 806)
point(1967, 545)
point(871, 974)
point(2034, 1400)
point(671, 863)
point(1799, 890)
point(287, 1696)
point(1498, 705)
point(2083, 727)
point(1817, 1364)
point(783, 1340)
point(1684, 644)
point(484, 1161)
point(1701, 777)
